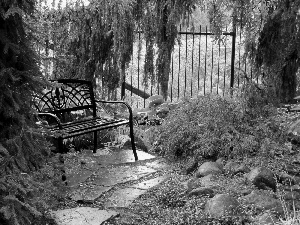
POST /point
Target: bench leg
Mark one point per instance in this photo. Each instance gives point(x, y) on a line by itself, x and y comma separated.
point(132, 140)
point(95, 142)
point(60, 144)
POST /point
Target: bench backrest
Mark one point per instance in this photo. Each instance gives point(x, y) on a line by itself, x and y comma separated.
point(68, 95)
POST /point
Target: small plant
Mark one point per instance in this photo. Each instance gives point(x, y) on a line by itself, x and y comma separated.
point(212, 126)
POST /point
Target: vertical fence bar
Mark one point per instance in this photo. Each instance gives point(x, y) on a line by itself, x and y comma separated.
point(172, 77)
point(218, 68)
point(205, 55)
point(199, 63)
point(131, 72)
point(192, 64)
point(139, 57)
point(185, 61)
point(179, 67)
point(233, 55)
point(225, 50)
point(240, 38)
point(145, 88)
point(212, 67)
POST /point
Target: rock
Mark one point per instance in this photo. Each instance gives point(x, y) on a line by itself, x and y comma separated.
point(262, 178)
point(82, 215)
point(3, 151)
point(246, 192)
point(231, 166)
point(202, 191)
point(221, 162)
point(285, 178)
point(193, 183)
point(124, 140)
point(210, 180)
point(191, 166)
point(222, 205)
point(208, 168)
point(263, 201)
point(234, 168)
point(292, 170)
point(291, 195)
point(267, 219)
point(242, 169)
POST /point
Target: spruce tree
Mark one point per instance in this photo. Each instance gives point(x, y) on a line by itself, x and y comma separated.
point(22, 148)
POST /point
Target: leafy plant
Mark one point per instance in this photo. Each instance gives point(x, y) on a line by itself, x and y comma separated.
point(212, 126)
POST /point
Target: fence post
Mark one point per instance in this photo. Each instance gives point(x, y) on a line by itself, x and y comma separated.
point(233, 54)
point(123, 90)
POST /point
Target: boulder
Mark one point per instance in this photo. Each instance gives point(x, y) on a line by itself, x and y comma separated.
point(267, 219)
point(285, 178)
point(263, 201)
point(262, 178)
point(193, 183)
point(202, 191)
point(292, 170)
point(234, 168)
point(209, 168)
point(222, 205)
point(231, 166)
point(210, 180)
point(191, 165)
point(220, 162)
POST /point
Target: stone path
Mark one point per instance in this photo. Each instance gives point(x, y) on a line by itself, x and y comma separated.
point(108, 172)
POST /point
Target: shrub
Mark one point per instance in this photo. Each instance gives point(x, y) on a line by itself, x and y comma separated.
point(212, 126)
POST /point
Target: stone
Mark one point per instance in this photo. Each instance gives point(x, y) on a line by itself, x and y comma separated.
point(124, 197)
point(267, 219)
point(234, 168)
point(210, 180)
point(124, 140)
point(222, 205)
point(122, 174)
point(145, 185)
point(220, 162)
point(242, 169)
point(291, 195)
point(202, 191)
point(231, 166)
point(263, 201)
point(193, 183)
point(208, 168)
point(191, 165)
point(292, 170)
point(82, 216)
point(285, 178)
point(262, 178)
point(159, 164)
point(3, 151)
point(88, 194)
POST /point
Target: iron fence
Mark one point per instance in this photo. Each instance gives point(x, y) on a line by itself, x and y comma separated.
point(200, 65)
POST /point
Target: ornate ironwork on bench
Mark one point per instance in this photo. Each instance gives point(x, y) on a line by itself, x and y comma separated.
point(62, 105)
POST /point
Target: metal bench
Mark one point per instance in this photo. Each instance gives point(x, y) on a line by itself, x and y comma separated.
point(63, 104)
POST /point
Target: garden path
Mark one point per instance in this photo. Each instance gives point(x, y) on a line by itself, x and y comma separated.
point(104, 183)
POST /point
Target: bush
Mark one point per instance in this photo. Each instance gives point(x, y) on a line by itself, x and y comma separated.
point(213, 126)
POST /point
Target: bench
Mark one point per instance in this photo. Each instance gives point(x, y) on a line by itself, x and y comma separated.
point(70, 99)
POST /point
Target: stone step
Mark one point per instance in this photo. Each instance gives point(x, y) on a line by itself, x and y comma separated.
point(82, 216)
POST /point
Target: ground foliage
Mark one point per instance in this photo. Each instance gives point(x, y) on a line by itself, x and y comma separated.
point(213, 126)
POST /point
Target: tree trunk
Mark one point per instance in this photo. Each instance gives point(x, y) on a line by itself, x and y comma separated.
point(289, 80)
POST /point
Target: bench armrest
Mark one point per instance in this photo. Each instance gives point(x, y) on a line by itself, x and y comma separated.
point(52, 116)
point(119, 102)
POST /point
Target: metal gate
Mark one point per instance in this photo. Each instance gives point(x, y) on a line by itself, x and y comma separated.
point(199, 65)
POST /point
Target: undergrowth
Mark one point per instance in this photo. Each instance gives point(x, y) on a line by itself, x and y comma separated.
point(213, 126)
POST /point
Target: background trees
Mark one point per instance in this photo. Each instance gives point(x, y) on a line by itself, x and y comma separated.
point(271, 38)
